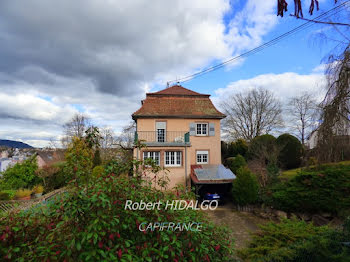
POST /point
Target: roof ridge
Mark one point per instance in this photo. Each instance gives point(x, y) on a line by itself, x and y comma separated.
point(176, 90)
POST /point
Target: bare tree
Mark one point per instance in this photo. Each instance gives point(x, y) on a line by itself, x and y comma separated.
point(126, 139)
point(107, 137)
point(75, 127)
point(303, 111)
point(251, 114)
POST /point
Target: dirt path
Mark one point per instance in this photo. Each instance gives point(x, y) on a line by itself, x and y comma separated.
point(241, 223)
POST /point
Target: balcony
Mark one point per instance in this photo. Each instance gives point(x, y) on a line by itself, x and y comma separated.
point(163, 138)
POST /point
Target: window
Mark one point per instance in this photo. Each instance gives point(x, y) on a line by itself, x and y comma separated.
point(202, 157)
point(160, 131)
point(161, 135)
point(173, 158)
point(201, 129)
point(152, 155)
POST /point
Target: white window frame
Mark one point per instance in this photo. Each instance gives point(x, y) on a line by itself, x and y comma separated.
point(152, 155)
point(161, 135)
point(176, 156)
point(200, 156)
point(201, 129)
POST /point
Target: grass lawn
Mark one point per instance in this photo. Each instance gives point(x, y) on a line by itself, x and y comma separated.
point(288, 174)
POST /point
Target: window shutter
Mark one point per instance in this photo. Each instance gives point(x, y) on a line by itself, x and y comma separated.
point(192, 129)
point(211, 129)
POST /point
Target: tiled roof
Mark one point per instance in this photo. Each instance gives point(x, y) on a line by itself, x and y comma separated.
point(50, 157)
point(176, 90)
point(177, 102)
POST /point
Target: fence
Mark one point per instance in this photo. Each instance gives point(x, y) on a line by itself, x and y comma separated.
point(11, 205)
point(161, 136)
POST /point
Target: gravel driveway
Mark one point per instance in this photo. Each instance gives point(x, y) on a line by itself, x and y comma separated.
point(241, 223)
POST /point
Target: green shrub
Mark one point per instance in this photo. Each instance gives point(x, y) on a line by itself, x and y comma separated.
point(5, 196)
point(97, 171)
point(273, 173)
point(96, 161)
point(325, 188)
point(245, 188)
point(263, 148)
point(21, 175)
point(312, 161)
point(55, 176)
point(293, 240)
point(232, 149)
point(238, 147)
point(234, 163)
point(79, 156)
point(91, 224)
point(290, 151)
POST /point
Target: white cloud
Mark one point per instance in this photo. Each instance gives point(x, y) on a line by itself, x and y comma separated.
point(284, 86)
point(251, 24)
point(27, 106)
point(102, 56)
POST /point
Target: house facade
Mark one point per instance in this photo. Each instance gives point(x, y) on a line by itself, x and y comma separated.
point(180, 128)
point(341, 131)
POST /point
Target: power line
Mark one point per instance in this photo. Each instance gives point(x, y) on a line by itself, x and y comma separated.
point(320, 22)
point(262, 46)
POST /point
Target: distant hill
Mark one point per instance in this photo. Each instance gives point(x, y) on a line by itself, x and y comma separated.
point(14, 144)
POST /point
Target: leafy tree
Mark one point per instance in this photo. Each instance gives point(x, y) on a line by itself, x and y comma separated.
point(290, 151)
point(236, 162)
point(232, 149)
point(79, 157)
point(97, 158)
point(263, 148)
point(245, 188)
point(21, 175)
point(54, 176)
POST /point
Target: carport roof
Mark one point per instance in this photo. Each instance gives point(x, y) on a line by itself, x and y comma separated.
point(211, 174)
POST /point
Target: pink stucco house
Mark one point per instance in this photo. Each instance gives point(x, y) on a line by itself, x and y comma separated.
point(181, 129)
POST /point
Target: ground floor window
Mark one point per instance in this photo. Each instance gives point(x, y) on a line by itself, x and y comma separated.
point(152, 155)
point(173, 158)
point(202, 157)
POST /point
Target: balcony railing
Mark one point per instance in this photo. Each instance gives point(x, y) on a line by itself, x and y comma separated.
point(162, 137)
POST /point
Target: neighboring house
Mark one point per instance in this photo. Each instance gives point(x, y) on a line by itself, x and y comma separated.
point(5, 163)
point(49, 157)
point(341, 131)
point(181, 131)
point(4, 154)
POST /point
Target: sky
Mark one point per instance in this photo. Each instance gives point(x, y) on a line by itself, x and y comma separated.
point(100, 58)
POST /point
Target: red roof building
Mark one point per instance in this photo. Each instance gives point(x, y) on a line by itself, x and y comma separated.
point(178, 128)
